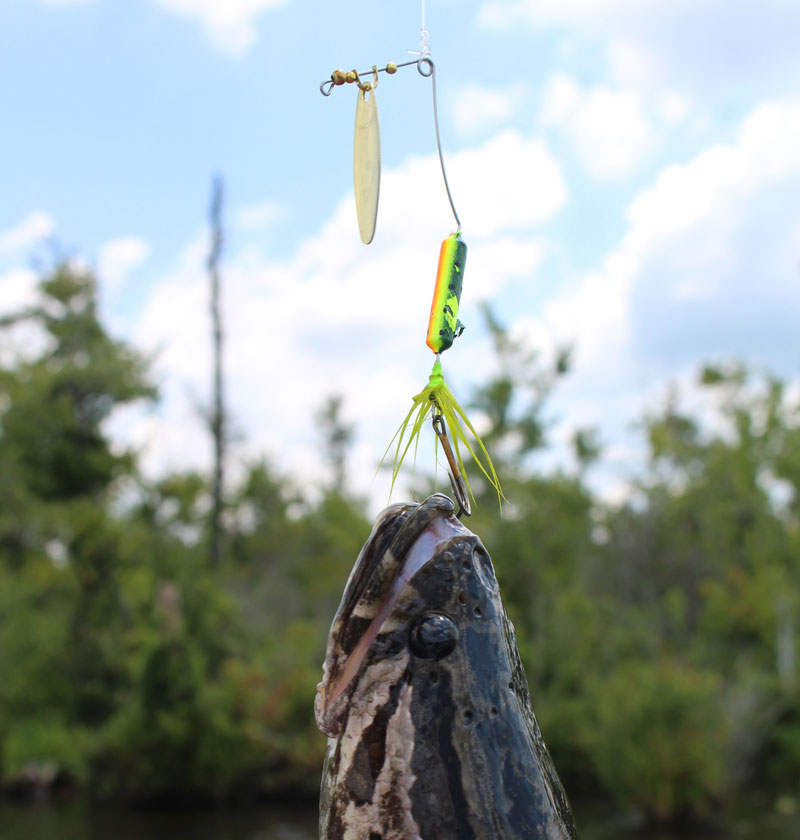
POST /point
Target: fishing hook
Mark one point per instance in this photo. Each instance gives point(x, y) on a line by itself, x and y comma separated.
point(457, 482)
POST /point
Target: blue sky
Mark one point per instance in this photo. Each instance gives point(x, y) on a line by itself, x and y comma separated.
point(627, 173)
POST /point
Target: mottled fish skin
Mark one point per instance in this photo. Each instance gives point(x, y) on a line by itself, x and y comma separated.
point(433, 737)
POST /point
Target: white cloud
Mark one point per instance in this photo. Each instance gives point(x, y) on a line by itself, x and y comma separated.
point(23, 340)
point(509, 12)
point(511, 182)
point(607, 128)
point(257, 217)
point(17, 290)
point(712, 48)
point(561, 96)
point(709, 269)
point(29, 232)
point(610, 132)
point(338, 317)
point(479, 110)
point(672, 108)
point(118, 258)
point(229, 24)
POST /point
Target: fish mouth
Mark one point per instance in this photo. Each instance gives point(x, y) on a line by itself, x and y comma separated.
point(405, 538)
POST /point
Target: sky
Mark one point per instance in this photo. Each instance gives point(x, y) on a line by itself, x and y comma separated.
point(627, 174)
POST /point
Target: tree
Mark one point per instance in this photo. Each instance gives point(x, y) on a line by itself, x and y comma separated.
point(337, 436)
point(60, 550)
point(217, 419)
point(52, 424)
point(702, 568)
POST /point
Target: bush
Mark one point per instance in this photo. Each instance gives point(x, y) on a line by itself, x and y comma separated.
point(38, 751)
point(658, 738)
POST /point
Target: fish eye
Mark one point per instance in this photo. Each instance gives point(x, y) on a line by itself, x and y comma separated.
point(432, 636)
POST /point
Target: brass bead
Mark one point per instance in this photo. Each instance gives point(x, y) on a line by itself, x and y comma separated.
point(350, 76)
point(338, 77)
point(391, 68)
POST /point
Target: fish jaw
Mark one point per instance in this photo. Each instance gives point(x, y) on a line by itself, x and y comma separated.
point(404, 538)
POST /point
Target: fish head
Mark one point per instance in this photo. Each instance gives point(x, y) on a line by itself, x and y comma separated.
point(424, 699)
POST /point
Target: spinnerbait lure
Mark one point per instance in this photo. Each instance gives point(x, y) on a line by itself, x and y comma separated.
point(435, 400)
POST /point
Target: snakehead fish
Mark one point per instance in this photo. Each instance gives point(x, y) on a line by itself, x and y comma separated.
point(431, 733)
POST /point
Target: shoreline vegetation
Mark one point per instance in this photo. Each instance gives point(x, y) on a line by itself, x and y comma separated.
point(659, 633)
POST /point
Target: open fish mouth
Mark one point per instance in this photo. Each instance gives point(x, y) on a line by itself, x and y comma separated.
point(404, 539)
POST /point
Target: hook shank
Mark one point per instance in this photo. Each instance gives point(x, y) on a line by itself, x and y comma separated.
point(457, 482)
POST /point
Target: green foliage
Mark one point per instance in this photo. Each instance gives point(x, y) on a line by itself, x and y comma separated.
point(780, 758)
point(184, 722)
point(46, 747)
point(57, 403)
point(656, 738)
point(513, 401)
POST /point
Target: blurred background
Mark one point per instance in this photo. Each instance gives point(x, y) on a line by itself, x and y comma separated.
point(177, 193)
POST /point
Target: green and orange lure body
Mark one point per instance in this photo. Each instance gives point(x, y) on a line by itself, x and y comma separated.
point(436, 399)
point(443, 325)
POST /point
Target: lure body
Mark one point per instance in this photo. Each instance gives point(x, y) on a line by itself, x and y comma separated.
point(367, 163)
point(443, 324)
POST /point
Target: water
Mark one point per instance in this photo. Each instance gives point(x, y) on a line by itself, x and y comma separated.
point(755, 820)
point(72, 821)
point(753, 817)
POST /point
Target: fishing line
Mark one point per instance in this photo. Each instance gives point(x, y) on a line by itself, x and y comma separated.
point(425, 60)
point(424, 35)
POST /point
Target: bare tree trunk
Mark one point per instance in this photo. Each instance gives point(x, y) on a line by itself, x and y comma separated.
point(217, 414)
point(337, 437)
